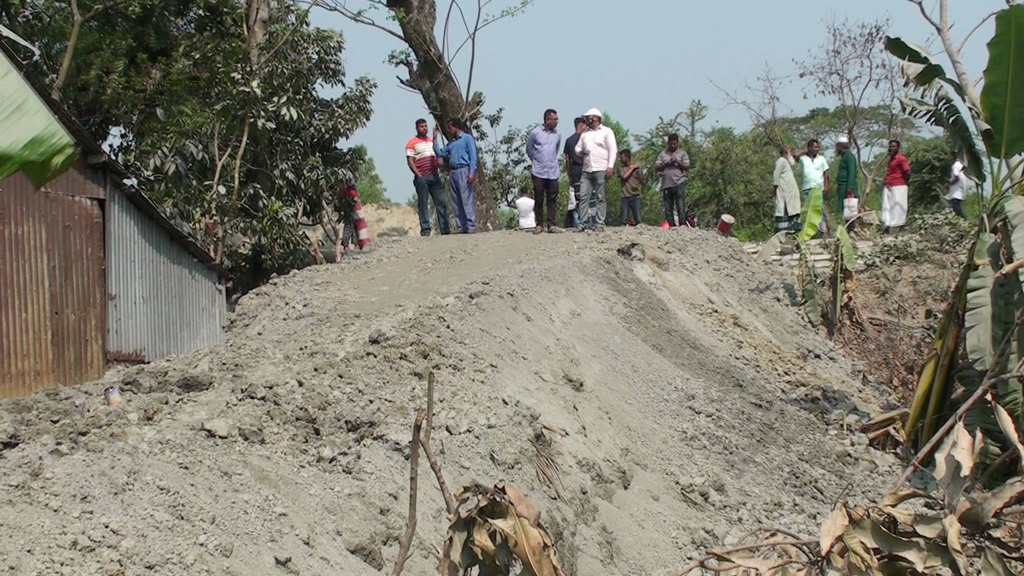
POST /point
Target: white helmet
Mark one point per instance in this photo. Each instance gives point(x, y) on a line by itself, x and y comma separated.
point(593, 112)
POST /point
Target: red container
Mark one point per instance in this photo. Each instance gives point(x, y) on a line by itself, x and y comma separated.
point(725, 224)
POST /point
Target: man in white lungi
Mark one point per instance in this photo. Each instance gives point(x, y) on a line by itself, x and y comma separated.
point(894, 195)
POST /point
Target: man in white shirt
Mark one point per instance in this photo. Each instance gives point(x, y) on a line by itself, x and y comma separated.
point(598, 148)
point(816, 179)
point(957, 188)
point(527, 219)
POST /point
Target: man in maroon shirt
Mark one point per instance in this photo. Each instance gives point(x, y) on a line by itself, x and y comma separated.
point(894, 195)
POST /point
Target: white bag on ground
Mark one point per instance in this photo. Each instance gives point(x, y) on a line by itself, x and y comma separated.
point(850, 207)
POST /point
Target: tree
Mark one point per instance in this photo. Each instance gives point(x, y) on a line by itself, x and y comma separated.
point(853, 69)
point(430, 63)
point(506, 156)
point(219, 115)
point(371, 187)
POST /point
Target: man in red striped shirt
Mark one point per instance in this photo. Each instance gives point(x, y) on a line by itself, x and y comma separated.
point(894, 195)
point(419, 153)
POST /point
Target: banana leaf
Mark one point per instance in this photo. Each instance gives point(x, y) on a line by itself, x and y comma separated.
point(811, 214)
point(846, 248)
point(1002, 95)
point(31, 139)
point(978, 319)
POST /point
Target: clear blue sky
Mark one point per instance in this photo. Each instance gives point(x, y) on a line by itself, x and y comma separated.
point(637, 60)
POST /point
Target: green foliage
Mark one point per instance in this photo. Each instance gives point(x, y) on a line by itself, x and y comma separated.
point(1003, 90)
point(223, 126)
point(931, 160)
point(505, 155)
point(371, 187)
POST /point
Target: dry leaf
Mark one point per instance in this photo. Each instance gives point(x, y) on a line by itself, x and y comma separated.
point(953, 528)
point(524, 508)
point(992, 564)
point(482, 540)
point(859, 553)
point(977, 514)
point(1006, 425)
point(834, 527)
point(924, 554)
point(924, 524)
point(897, 498)
point(527, 544)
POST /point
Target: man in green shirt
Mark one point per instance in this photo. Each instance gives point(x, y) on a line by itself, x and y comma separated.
point(846, 176)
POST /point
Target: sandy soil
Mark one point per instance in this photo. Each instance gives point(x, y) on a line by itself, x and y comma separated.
point(698, 406)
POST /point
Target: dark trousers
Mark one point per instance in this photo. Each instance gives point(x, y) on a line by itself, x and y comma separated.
point(675, 201)
point(630, 205)
point(958, 207)
point(429, 187)
point(545, 191)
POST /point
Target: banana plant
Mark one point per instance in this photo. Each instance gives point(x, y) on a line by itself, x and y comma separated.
point(978, 342)
point(844, 259)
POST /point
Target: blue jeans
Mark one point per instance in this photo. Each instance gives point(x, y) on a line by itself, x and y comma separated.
point(463, 203)
point(631, 205)
point(429, 187)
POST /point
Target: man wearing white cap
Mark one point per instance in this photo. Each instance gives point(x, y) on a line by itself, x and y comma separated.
point(598, 148)
point(846, 175)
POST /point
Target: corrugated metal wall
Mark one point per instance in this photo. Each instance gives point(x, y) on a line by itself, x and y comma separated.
point(161, 301)
point(51, 286)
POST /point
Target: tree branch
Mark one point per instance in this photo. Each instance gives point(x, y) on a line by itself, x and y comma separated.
point(405, 541)
point(963, 43)
point(472, 49)
point(359, 17)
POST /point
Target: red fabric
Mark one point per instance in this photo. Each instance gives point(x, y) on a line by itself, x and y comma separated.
point(357, 215)
point(899, 167)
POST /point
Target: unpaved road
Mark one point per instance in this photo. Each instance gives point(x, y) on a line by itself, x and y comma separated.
point(698, 406)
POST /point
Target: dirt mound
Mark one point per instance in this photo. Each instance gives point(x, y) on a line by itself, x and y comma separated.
point(391, 220)
point(698, 406)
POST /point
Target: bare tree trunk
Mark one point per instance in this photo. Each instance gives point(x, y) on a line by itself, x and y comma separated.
point(432, 78)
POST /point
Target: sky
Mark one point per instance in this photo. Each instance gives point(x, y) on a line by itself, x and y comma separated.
point(637, 61)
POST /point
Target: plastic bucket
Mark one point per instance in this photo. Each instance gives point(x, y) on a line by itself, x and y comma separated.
point(725, 224)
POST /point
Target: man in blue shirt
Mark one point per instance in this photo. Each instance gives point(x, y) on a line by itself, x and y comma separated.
point(462, 162)
point(542, 146)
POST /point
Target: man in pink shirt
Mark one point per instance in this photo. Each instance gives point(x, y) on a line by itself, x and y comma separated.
point(894, 195)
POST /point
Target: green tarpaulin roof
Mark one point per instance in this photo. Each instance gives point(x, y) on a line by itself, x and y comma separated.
point(31, 138)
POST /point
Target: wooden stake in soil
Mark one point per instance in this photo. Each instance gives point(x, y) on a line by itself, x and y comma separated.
point(405, 541)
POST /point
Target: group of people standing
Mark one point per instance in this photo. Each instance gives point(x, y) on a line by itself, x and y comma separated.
point(816, 181)
point(815, 169)
point(590, 156)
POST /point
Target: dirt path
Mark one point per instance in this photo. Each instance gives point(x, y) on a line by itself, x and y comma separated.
point(698, 406)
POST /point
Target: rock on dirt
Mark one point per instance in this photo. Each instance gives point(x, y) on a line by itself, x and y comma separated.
point(691, 410)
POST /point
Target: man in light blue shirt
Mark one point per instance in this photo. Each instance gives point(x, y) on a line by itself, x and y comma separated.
point(542, 147)
point(462, 162)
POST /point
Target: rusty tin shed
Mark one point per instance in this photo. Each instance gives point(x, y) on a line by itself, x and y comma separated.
point(92, 272)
